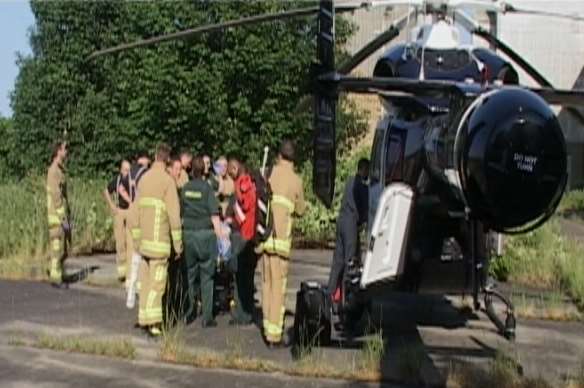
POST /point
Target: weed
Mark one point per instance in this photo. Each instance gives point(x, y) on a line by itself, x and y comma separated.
point(23, 230)
point(122, 348)
point(371, 355)
point(549, 306)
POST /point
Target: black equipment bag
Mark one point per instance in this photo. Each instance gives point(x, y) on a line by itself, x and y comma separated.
point(312, 319)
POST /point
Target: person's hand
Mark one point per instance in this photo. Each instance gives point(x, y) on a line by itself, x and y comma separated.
point(178, 256)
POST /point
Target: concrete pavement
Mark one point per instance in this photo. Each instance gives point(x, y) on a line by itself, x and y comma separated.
point(433, 324)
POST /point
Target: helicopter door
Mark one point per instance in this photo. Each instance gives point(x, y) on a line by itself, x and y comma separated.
point(385, 258)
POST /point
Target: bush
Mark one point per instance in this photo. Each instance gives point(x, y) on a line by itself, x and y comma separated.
point(23, 230)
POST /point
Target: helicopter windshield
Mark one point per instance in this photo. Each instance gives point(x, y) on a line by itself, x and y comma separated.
point(444, 59)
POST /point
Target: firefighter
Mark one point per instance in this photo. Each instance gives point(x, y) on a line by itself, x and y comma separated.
point(352, 216)
point(186, 159)
point(58, 217)
point(175, 170)
point(244, 259)
point(156, 221)
point(119, 207)
point(201, 224)
point(287, 201)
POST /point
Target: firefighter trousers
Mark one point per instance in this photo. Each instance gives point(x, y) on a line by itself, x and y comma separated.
point(57, 255)
point(274, 283)
point(124, 242)
point(201, 258)
point(153, 285)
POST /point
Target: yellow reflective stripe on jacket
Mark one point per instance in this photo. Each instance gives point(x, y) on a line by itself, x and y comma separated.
point(283, 201)
point(155, 247)
point(279, 246)
point(176, 235)
point(152, 202)
point(136, 233)
point(158, 206)
point(54, 220)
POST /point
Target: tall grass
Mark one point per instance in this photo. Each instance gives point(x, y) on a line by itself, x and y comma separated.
point(23, 218)
point(545, 259)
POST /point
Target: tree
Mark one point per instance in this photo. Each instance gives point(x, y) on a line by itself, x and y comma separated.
point(226, 92)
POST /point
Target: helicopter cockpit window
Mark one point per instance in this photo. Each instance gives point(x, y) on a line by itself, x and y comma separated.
point(376, 155)
point(445, 60)
point(394, 158)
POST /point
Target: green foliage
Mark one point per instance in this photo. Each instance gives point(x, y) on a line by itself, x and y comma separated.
point(23, 230)
point(224, 92)
point(6, 128)
point(544, 258)
point(573, 202)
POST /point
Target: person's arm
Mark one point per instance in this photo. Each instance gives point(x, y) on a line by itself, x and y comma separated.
point(173, 210)
point(54, 189)
point(134, 223)
point(246, 200)
point(300, 205)
point(361, 196)
point(122, 192)
point(216, 221)
point(213, 209)
point(108, 199)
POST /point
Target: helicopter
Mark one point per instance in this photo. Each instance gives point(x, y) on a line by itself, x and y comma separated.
point(461, 150)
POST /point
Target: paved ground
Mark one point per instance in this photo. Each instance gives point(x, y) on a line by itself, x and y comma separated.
point(23, 368)
point(434, 324)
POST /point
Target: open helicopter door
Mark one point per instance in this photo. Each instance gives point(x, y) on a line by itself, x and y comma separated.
point(385, 258)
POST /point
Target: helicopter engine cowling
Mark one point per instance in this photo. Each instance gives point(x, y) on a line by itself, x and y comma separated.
point(510, 156)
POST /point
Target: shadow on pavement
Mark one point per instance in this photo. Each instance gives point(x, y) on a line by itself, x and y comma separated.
point(80, 275)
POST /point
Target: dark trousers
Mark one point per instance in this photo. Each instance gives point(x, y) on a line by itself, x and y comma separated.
point(201, 259)
point(176, 302)
point(346, 248)
point(243, 265)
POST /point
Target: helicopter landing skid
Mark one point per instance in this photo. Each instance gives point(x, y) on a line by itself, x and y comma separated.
point(506, 328)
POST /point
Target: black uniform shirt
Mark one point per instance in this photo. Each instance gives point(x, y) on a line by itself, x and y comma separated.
point(361, 194)
point(355, 202)
point(136, 173)
point(114, 186)
point(198, 204)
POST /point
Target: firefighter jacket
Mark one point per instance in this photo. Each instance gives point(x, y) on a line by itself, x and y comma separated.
point(56, 196)
point(156, 217)
point(287, 201)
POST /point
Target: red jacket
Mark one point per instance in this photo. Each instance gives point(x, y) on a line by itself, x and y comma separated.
point(245, 206)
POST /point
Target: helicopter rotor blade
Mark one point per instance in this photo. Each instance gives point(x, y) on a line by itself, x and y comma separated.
point(371, 47)
point(567, 98)
point(185, 34)
point(476, 29)
point(511, 9)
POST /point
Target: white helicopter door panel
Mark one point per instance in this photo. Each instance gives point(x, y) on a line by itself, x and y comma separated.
point(385, 258)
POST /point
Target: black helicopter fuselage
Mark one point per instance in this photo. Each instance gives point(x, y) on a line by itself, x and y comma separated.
point(464, 159)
